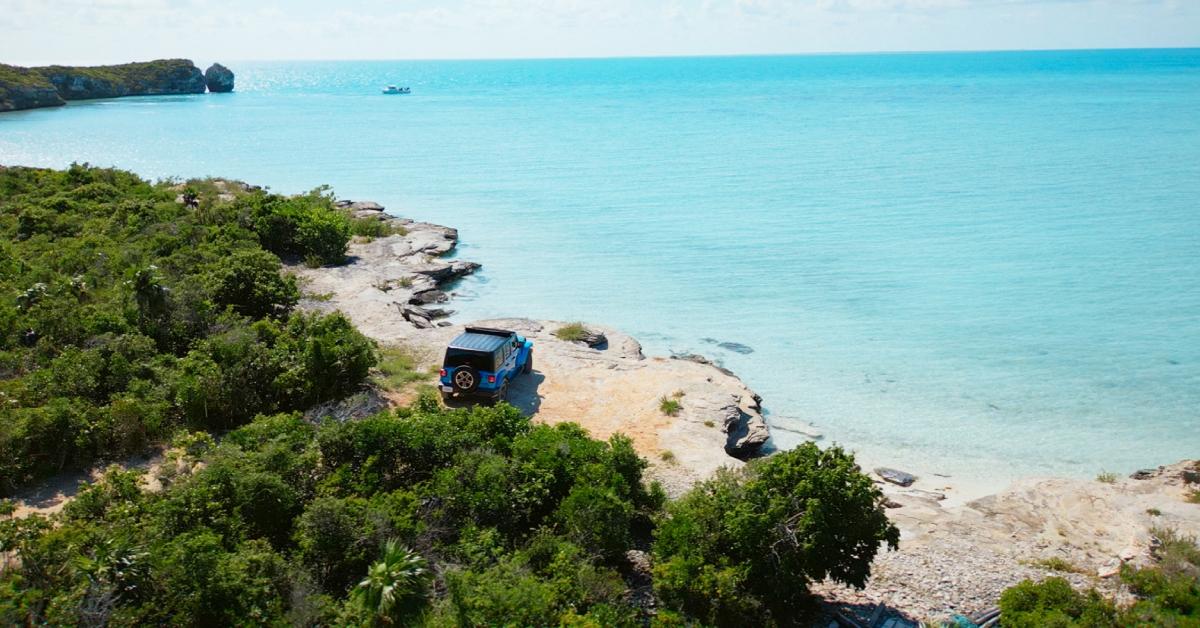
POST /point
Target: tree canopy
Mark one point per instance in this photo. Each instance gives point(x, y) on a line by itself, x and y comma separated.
point(125, 315)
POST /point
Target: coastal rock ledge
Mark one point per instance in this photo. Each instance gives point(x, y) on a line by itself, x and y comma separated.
point(608, 388)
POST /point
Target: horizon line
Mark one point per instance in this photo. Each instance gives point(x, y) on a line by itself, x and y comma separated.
point(675, 56)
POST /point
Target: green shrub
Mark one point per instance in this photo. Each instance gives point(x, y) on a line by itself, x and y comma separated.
point(1167, 594)
point(748, 544)
point(305, 226)
point(571, 332)
point(394, 589)
point(1053, 602)
point(669, 406)
point(249, 282)
point(338, 538)
point(1057, 564)
point(596, 519)
point(375, 228)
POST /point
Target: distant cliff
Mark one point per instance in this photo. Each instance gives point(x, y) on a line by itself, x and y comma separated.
point(27, 88)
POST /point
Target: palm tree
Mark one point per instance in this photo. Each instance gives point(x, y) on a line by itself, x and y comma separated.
point(394, 588)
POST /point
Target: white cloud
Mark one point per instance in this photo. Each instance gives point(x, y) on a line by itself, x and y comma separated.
point(69, 31)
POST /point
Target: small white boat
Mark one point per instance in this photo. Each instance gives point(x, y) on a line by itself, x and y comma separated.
point(392, 89)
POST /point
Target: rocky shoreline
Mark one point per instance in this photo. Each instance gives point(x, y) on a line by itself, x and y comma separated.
point(52, 86)
point(952, 558)
point(393, 287)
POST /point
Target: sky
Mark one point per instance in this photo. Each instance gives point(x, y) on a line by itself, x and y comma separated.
point(110, 31)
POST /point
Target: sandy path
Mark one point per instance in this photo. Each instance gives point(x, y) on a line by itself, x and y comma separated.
point(51, 496)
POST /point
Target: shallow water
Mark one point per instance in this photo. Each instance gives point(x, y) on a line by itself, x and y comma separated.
point(984, 265)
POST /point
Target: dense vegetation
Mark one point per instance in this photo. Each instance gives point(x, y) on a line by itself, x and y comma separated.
point(125, 315)
point(138, 76)
point(130, 317)
point(16, 76)
point(438, 517)
point(1168, 594)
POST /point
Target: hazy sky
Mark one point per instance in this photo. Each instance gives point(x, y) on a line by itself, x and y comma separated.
point(103, 31)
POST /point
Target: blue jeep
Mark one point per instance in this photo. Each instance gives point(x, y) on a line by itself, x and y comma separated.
point(481, 362)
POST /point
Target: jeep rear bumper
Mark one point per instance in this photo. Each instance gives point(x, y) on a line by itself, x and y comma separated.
point(450, 391)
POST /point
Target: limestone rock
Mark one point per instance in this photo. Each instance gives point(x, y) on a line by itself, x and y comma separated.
point(218, 78)
point(699, 359)
point(593, 339)
point(420, 317)
point(444, 273)
point(429, 296)
point(745, 428)
point(735, 347)
point(895, 476)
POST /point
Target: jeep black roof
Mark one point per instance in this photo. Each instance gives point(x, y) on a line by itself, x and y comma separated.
point(481, 339)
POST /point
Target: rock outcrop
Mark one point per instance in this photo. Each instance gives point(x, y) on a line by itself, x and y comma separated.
point(593, 339)
point(218, 78)
point(900, 478)
point(23, 88)
point(745, 429)
point(168, 76)
point(50, 86)
point(958, 559)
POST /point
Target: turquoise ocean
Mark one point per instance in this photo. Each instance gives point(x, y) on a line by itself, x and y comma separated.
point(985, 265)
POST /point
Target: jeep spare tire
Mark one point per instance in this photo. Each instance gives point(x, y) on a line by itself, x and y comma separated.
point(465, 379)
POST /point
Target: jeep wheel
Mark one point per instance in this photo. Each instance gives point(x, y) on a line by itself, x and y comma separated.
point(465, 379)
point(528, 363)
point(503, 394)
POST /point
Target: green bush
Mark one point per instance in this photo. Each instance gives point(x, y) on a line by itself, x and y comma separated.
point(299, 226)
point(394, 589)
point(748, 544)
point(571, 332)
point(1053, 603)
point(1167, 594)
point(249, 282)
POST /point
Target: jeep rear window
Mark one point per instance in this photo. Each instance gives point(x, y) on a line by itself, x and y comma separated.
point(474, 359)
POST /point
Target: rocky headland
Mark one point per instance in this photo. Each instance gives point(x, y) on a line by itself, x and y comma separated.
point(52, 86)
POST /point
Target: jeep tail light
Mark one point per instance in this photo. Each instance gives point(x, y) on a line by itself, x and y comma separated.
point(443, 373)
point(491, 379)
